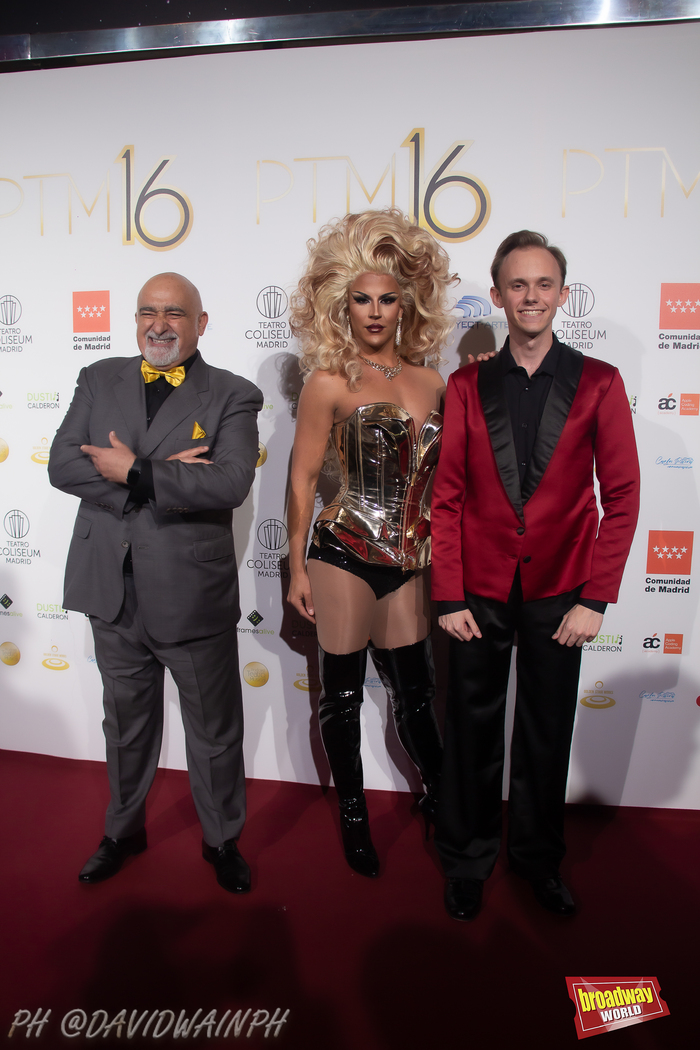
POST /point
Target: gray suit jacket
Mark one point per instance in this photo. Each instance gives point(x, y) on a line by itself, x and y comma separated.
point(183, 557)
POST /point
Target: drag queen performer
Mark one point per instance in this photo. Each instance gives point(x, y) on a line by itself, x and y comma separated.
point(371, 316)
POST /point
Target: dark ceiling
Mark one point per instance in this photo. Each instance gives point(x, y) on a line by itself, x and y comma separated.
point(40, 16)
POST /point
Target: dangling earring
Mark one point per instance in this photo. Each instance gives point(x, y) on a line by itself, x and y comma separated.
point(397, 337)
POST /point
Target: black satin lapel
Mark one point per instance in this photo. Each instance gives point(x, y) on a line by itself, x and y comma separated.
point(130, 393)
point(555, 414)
point(493, 403)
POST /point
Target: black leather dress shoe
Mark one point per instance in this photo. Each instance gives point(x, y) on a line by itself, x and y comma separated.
point(110, 856)
point(463, 898)
point(232, 872)
point(553, 895)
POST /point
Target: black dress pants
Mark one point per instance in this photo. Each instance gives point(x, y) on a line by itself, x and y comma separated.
point(469, 819)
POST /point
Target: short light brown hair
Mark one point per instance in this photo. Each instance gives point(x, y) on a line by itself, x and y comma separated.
point(526, 239)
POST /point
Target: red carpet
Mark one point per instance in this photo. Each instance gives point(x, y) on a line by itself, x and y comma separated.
point(360, 964)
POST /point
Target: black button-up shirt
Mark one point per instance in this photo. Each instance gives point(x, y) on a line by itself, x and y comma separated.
point(526, 397)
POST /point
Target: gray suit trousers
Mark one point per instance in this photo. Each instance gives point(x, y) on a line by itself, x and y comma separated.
point(205, 670)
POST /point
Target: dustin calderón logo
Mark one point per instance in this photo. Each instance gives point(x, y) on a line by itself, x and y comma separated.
point(16, 549)
point(605, 643)
point(40, 399)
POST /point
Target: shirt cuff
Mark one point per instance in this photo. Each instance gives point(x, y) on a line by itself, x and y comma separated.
point(593, 605)
point(143, 490)
point(443, 608)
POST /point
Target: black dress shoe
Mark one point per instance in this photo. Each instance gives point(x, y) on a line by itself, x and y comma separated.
point(463, 898)
point(110, 856)
point(553, 895)
point(232, 872)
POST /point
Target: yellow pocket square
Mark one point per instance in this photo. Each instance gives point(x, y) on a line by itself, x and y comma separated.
point(197, 432)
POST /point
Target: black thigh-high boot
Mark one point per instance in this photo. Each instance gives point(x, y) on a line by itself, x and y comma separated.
point(408, 675)
point(342, 678)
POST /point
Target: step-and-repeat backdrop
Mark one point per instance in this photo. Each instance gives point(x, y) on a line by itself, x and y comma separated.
point(221, 167)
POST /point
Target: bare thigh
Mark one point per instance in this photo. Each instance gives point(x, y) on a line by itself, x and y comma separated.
point(348, 613)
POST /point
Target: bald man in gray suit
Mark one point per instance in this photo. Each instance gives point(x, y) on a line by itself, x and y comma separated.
point(159, 449)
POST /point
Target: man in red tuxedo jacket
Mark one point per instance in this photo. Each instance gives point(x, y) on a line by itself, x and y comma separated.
point(517, 547)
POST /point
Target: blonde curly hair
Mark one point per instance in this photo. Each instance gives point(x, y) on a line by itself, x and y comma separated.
point(382, 242)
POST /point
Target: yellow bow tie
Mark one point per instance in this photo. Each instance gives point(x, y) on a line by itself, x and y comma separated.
point(175, 376)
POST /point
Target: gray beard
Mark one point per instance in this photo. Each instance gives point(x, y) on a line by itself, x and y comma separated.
point(162, 358)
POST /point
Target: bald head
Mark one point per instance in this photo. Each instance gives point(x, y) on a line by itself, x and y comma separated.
point(169, 320)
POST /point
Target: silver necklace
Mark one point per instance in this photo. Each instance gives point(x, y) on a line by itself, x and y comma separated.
point(386, 369)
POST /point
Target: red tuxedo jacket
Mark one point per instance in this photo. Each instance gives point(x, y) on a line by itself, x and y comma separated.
point(483, 525)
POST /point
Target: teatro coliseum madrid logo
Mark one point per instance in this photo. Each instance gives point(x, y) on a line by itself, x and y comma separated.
point(272, 302)
point(55, 661)
point(272, 534)
point(255, 673)
point(16, 524)
point(598, 697)
point(580, 302)
point(9, 653)
point(10, 310)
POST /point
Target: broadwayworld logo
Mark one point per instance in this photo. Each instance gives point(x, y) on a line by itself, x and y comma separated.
point(604, 1004)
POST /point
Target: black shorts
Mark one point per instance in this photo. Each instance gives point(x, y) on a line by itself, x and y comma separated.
point(383, 579)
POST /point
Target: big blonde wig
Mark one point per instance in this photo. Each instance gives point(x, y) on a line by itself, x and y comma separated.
point(382, 242)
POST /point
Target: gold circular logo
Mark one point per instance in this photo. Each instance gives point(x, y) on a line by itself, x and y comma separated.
point(42, 454)
point(4, 450)
point(599, 699)
point(262, 454)
point(307, 685)
point(9, 653)
point(256, 673)
point(55, 662)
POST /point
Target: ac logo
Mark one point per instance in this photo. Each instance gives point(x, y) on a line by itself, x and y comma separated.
point(653, 642)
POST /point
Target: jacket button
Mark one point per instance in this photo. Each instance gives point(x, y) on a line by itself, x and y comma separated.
point(527, 558)
point(520, 531)
point(125, 543)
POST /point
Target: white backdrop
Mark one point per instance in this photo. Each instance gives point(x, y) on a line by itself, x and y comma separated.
point(583, 135)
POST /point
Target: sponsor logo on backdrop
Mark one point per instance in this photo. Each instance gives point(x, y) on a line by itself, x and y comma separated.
point(679, 405)
point(270, 334)
point(255, 673)
point(605, 643)
point(4, 404)
point(9, 653)
point(604, 1004)
point(471, 212)
point(580, 334)
point(262, 454)
point(272, 536)
point(302, 628)
point(40, 453)
point(54, 207)
point(580, 302)
point(675, 463)
point(53, 611)
point(40, 399)
point(307, 683)
point(372, 682)
point(666, 696)
point(633, 404)
point(55, 661)
point(4, 450)
point(474, 309)
point(598, 697)
point(10, 310)
point(12, 338)
point(255, 618)
point(669, 561)
point(680, 313)
point(6, 602)
point(672, 643)
point(91, 316)
point(16, 549)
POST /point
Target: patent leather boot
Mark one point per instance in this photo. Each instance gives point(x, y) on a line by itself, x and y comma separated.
point(408, 675)
point(342, 679)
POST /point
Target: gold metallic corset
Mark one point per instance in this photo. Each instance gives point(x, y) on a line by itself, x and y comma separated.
point(381, 514)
